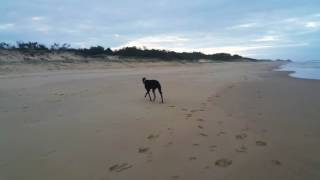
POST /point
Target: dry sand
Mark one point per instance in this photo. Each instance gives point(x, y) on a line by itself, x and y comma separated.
point(219, 121)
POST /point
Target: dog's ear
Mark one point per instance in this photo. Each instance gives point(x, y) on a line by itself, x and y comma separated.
point(143, 79)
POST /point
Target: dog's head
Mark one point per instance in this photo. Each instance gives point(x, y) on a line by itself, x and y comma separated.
point(144, 79)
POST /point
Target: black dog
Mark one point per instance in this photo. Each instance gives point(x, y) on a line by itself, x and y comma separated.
point(152, 84)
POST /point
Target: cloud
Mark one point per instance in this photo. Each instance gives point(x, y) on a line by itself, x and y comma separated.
point(312, 24)
point(43, 28)
point(180, 43)
point(40, 24)
point(316, 15)
point(209, 26)
point(117, 35)
point(37, 18)
point(267, 38)
point(158, 42)
point(243, 26)
point(6, 26)
point(246, 49)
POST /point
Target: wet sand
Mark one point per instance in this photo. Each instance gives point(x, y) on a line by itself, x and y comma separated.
point(219, 121)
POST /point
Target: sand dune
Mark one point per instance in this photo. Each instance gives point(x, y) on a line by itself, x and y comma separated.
point(219, 121)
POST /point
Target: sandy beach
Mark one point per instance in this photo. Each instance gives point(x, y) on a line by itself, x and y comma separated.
point(237, 120)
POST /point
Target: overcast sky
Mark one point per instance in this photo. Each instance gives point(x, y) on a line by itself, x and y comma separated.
point(254, 28)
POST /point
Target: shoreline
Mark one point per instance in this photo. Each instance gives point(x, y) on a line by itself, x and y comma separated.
point(299, 73)
point(238, 120)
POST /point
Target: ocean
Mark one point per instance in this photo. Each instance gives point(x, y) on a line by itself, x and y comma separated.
point(305, 70)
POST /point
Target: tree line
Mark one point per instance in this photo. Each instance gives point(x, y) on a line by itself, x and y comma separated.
point(35, 47)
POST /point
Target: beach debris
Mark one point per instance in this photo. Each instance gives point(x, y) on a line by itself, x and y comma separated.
point(223, 162)
point(221, 133)
point(119, 167)
point(241, 136)
point(203, 134)
point(200, 119)
point(153, 136)
point(276, 162)
point(143, 149)
point(261, 143)
point(241, 149)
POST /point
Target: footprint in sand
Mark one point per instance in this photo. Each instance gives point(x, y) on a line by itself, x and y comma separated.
point(241, 149)
point(143, 149)
point(195, 144)
point(153, 136)
point(168, 144)
point(241, 136)
point(221, 133)
point(212, 148)
point(223, 162)
point(188, 115)
point(199, 119)
point(276, 162)
point(261, 143)
point(120, 167)
point(192, 158)
point(203, 134)
point(149, 157)
point(25, 107)
point(184, 109)
point(200, 127)
point(220, 122)
point(59, 94)
point(175, 177)
point(193, 110)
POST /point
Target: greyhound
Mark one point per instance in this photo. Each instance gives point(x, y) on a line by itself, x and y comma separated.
point(152, 84)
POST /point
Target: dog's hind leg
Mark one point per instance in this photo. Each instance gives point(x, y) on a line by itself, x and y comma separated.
point(154, 94)
point(149, 95)
point(160, 92)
